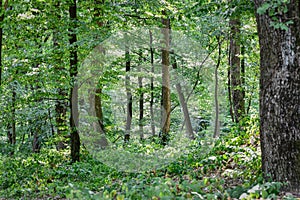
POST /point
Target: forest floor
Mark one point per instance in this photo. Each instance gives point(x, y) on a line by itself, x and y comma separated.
point(231, 170)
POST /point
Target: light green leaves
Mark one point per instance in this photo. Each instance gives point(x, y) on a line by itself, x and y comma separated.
point(263, 9)
point(276, 9)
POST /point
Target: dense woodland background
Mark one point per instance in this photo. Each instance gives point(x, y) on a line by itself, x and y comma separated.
point(231, 75)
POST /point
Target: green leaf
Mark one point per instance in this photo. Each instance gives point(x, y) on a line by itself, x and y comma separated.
point(262, 10)
point(264, 194)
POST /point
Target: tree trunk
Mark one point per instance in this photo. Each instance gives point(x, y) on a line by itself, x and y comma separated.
point(280, 97)
point(11, 127)
point(98, 12)
point(166, 98)
point(3, 8)
point(75, 139)
point(141, 99)
point(243, 68)
point(217, 120)
point(98, 110)
point(1, 39)
point(152, 84)
point(230, 93)
point(129, 95)
point(235, 71)
point(183, 103)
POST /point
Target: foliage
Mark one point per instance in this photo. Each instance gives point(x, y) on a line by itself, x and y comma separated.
point(275, 9)
point(230, 169)
point(35, 78)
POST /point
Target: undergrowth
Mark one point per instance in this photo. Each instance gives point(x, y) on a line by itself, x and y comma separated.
point(230, 170)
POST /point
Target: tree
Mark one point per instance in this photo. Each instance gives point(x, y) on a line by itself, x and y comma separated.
point(1, 38)
point(141, 97)
point(75, 139)
point(128, 94)
point(184, 106)
point(166, 98)
point(3, 8)
point(235, 88)
point(152, 83)
point(98, 92)
point(280, 91)
point(217, 110)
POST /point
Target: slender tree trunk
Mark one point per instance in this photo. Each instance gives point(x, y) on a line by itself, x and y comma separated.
point(129, 95)
point(230, 94)
point(280, 97)
point(11, 127)
point(36, 143)
point(166, 98)
point(217, 120)
point(3, 8)
point(152, 84)
point(141, 99)
point(98, 92)
point(75, 139)
point(183, 103)
point(243, 66)
point(1, 39)
point(235, 70)
point(98, 110)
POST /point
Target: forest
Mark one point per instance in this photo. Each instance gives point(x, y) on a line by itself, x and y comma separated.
point(147, 99)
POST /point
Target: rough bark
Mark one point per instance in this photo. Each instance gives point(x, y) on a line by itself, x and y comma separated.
point(166, 98)
point(235, 70)
point(129, 95)
point(75, 139)
point(280, 97)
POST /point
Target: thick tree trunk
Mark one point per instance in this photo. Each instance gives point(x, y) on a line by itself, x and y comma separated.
point(166, 98)
point(235, 71)
point(75, 139)
point(280, 97)
point(129, 95)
